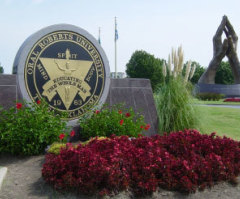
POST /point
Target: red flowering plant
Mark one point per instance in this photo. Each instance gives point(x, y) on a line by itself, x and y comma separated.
point(28, 128)
point(65, 137)
point(232, 99)
point(183, 161)
point(116, 120)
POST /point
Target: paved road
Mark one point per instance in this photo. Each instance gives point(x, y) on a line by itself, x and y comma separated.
point(220, 105)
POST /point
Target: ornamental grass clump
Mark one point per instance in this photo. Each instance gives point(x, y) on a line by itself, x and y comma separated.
point(173, 99)
point(116, 120)
point(183, 161)
point(174, 107)
point(29, 128)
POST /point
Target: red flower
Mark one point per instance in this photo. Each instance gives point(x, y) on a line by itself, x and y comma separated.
point(127, 114)
point(38, 102)
point(97, 111)
point(147, 127)
point(141, 126)
point(61, 136)
point(121, 122)
point(18, 105)
point(120, 111)
point(72, 133)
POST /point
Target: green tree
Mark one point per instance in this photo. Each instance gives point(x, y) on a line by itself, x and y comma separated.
point(224, 74)
point(145, 65)
point(1, 69)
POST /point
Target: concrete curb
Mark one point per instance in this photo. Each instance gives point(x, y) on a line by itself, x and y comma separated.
point(3, 172)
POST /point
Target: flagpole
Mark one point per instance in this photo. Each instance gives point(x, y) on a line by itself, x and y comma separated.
point(115, 39)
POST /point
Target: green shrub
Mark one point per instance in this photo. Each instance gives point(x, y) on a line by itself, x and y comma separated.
point(210, 96)
point(115, 120)
point(174, 108)
point(29, 129)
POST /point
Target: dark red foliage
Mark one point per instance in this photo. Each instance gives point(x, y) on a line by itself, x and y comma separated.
point(232, 100)
point(183, 161)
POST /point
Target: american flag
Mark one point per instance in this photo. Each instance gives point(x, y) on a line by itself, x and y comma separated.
point(116, 32)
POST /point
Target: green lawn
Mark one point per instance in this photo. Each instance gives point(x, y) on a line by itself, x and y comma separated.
point(197, 101)
point(223, 121)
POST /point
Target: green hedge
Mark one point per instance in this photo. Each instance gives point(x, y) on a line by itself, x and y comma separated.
point(29, 128)
point(210, 96)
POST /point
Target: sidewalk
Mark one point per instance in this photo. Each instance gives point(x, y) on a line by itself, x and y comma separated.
point(3, 172)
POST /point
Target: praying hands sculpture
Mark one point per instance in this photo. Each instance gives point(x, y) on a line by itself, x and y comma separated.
point(228, 47)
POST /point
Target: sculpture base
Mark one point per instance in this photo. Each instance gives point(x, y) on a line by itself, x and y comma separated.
point(228, 90)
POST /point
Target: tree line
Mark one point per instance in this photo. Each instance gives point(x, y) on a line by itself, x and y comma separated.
point(145, 65)
point(1, 69)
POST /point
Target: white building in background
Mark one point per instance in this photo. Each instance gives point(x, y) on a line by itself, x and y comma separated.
point(119, 75)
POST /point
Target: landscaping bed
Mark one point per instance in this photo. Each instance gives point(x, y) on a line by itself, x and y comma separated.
point(182, 161)
point(124, 165)
point(24, 180)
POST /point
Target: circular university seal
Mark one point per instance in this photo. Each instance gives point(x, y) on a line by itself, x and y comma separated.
point(66, 66)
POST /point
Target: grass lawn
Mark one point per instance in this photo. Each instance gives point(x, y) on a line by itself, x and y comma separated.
point(197, 101)
point(223, 121)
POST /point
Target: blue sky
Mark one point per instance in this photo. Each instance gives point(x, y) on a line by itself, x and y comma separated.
point(151, 25)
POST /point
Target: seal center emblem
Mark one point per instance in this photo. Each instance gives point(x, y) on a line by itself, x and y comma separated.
point(65, 69)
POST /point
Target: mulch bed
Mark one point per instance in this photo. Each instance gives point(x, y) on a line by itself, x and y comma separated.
point(24, 181)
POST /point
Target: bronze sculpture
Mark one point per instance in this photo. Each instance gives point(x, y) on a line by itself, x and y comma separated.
point(221, 49)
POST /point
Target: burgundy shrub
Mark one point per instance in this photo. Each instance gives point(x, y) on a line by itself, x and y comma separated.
point(183, 161)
